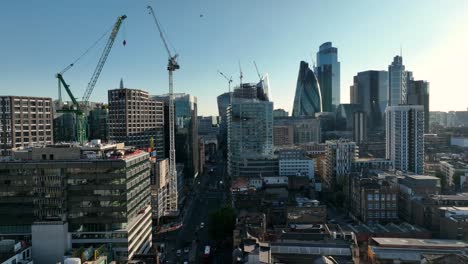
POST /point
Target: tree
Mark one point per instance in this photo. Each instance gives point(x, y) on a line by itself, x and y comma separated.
point(443, 180)
point(222, 223)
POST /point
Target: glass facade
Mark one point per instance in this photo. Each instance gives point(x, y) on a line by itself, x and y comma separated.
point(328, 72)
point(307, 100)
point(103, 200)
point(369, 90)
point(418, 94)
point(397, 82)
point(223, 103)
point(250, 133)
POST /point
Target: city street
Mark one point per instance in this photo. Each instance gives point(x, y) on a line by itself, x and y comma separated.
point(206, 197)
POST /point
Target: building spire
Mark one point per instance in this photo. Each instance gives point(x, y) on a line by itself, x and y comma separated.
point(121, 83)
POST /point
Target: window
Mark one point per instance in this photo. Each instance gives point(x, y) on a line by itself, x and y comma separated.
point(369, 197)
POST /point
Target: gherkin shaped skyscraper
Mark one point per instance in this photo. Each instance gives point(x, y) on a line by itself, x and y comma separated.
point(308, 99)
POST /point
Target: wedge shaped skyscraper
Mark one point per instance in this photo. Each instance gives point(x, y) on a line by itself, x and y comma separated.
point(308, 99)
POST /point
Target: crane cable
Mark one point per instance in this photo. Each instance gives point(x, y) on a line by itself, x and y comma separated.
point(86, 51)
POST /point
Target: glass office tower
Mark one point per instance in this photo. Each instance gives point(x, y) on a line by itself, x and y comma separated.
point(328, 73)
point(308, 99)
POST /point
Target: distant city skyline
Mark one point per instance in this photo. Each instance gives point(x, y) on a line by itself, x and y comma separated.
point(209, 36)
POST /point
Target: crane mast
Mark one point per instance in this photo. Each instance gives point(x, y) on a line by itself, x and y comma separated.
point(172, 65)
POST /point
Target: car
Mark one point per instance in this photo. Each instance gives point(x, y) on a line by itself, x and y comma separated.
point(202, 225)
point(179, 252)
point(186, 250)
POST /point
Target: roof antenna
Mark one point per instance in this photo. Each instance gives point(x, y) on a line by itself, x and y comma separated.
point(121, 83)
point(241, 75)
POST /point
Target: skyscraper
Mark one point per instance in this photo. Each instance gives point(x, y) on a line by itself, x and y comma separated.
point(186, 131)
point(328, 72)
point(397, 82)
point(223, 103)
point(418, 94)
point(250, 135)
point(369, 90)
point(308, 99)
point(405, 137)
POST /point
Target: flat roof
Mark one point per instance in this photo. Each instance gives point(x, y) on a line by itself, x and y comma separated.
point(456, 197)
point(388, 241)
point(422, 177)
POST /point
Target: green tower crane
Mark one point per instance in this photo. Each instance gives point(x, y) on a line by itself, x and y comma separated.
point(79, 108)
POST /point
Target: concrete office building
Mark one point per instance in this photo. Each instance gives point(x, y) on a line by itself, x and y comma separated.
point(79, 196)
point(305, 129)
point(405, 137)
point(328, 73)
point(452, 168)
point(359, 127)
point(25, 121)
point(280, 113)
point(283, 135)
point(135, 119)
point(250, 133)
point(339, 158)
point(418, 94)
point(293, 162)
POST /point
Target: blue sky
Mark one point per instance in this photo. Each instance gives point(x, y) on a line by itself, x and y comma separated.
point(39, 38)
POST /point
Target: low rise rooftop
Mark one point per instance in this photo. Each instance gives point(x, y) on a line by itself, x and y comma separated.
point(70, 152)
point(419, 243)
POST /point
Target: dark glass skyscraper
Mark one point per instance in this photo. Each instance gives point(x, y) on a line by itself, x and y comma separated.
point(308, 99)
point(418, 94)
point(328, 74)
point(369, 90)
point(223, 103)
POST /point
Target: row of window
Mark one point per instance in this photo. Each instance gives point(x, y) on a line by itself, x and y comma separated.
point(382, 214)
point(32, 133)
point(382, 197)
point(32, 102)
point(381, 206)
